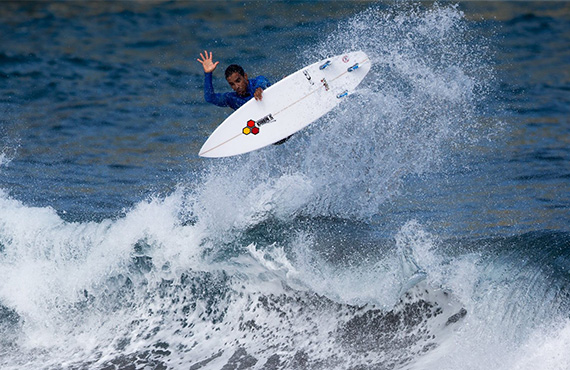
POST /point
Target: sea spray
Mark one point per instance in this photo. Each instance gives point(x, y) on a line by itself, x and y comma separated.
point(414, 111)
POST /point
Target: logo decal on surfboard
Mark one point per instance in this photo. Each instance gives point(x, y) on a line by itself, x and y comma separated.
point(252, 127)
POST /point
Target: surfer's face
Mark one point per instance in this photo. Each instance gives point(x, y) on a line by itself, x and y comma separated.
point(238, 83)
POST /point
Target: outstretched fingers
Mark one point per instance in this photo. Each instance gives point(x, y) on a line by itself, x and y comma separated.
point(207, 62)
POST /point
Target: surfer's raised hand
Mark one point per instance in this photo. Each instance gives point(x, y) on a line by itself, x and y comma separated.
point(207, 63)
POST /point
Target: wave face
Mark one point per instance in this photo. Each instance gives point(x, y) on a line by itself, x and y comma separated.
point(381, 237)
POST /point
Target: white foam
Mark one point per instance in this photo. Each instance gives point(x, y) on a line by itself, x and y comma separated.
point(546, 349)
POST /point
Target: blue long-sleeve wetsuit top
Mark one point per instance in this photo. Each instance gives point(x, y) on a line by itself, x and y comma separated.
point(232, 99)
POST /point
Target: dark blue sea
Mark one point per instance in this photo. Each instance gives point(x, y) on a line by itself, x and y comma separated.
point(424, 223)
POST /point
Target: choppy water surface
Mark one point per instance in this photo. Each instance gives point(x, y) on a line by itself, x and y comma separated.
point(421, 225)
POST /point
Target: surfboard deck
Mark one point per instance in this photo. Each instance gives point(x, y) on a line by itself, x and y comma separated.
point(288, 106)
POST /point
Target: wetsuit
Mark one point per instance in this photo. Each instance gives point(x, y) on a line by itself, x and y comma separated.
point(232, 99)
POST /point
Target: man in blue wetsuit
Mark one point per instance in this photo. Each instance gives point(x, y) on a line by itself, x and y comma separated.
point(244, 87)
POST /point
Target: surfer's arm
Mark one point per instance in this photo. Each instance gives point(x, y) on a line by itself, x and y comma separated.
point(209, 95)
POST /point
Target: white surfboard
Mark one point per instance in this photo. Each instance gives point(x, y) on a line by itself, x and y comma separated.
point(288, 106)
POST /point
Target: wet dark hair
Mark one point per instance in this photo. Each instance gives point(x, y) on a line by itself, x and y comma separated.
point(233, 68)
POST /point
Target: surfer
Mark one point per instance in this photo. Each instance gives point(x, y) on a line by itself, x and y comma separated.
point(244, 87)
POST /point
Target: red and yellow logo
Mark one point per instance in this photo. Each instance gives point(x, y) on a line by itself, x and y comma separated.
point(251, 128)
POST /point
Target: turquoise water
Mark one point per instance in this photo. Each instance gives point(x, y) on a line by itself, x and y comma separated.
point(423, 224)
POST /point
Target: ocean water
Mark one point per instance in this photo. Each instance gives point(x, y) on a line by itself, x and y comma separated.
point(423, 224)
